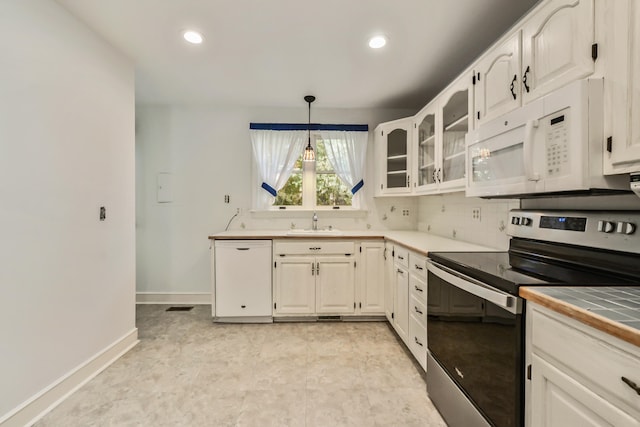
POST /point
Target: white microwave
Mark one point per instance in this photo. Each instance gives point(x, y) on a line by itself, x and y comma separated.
point(551, 146)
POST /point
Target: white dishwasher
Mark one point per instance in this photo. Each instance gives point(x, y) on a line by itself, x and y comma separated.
point(243, 280)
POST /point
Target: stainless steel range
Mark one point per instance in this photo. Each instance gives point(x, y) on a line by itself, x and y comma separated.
point(475, 319)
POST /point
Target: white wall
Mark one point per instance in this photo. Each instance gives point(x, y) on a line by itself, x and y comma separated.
point(207, 150)
point(66, 148)
point(451, 215)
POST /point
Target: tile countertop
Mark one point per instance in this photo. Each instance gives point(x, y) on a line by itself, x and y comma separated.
point(614, 310)
point(414, 240)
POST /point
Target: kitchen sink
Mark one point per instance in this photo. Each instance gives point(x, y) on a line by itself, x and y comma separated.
point(310, 232)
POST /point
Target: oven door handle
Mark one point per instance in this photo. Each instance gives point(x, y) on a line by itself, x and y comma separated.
point(475, 287)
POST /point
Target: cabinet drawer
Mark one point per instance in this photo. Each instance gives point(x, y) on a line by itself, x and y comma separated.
point(418, 340)
point(595, 362)
point(313, 247)
point(418, 309)
point(418, 265)
point(401, 256)
point(418, 289)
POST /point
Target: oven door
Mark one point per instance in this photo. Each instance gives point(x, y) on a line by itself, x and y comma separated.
point(475, 343)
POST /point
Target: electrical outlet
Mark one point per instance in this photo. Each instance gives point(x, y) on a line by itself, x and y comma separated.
point(476, 214)
point(405, 212)
point(227, 198)
point(103, 213)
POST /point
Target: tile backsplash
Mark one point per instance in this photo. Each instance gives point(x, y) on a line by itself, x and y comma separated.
point(468, 219)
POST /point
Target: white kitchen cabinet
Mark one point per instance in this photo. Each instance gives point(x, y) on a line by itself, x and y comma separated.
point(455, 103)
point(389, 281)
point(622, 87)
point(401, 302)
point(295, 285)
point(425, 140)
point(497, 80)
point(557, 40)
point(417, 342)
point(242, 280)
point(393, 157)
point(335, 285)
point(371, 278)
point(576, 374)
point(314, 278)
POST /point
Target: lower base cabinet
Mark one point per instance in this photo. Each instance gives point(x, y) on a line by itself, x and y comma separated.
point(328, 278)
point(578, 374)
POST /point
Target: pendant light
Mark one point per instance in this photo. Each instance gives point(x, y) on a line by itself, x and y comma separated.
point(309, 155)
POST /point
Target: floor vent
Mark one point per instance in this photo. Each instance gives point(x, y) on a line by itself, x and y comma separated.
point(329, 318)
point(180, 308)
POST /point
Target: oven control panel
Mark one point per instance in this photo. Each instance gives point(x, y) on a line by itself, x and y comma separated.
point(614, 230)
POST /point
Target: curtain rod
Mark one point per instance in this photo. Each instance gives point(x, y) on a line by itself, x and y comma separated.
point(305, 126)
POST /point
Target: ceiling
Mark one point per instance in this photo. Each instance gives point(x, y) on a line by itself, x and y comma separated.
point(272, 53)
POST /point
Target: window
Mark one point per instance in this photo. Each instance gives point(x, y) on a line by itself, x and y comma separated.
point(314, 184)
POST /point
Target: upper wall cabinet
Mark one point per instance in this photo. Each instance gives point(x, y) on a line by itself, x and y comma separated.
point(455, 103)
point(425, 142)
point(497, 81)
point(393, 157)
point(439, 131)
point(622, 87)
point(557, 44)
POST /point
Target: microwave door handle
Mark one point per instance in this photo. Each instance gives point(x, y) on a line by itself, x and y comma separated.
point(529, 129)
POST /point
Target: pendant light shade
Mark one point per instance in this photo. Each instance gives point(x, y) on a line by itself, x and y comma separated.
point(309, 154)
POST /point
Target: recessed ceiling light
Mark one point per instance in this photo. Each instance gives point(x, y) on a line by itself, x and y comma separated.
point(376, 42)
point(192, 37)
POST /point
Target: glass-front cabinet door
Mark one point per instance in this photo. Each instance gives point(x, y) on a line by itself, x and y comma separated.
point(394, 157)
point(426, 140)
point(455, 125)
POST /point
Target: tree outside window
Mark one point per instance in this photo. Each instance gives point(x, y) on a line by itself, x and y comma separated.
point(329, 189)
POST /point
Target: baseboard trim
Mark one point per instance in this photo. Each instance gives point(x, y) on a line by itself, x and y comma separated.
point(173, 298)
point(50, 397)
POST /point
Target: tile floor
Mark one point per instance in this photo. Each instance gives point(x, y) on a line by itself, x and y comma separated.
point(187, 371)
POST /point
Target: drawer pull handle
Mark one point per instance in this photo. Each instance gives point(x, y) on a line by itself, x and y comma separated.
point(401, 272)
point(418, 342)
point(418, 267)
point(315, 249)
point(400, 258)
point(417, 310)
point(418, 289)
point(631, 384)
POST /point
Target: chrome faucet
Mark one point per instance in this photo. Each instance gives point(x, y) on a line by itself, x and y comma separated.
point(314, 223)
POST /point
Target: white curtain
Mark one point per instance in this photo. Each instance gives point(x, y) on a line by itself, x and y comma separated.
point(347, 152)
point(275, 153)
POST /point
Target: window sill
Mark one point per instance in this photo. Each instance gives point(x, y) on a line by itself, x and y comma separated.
point(302, 212)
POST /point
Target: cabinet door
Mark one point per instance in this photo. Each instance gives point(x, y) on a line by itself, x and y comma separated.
point(395, 156)
point(622, 88)
point(294, 291)
point(401, 303)
point(497, 81)
point(372, 276)
point(389, 282)
point(559, 400)
point(425, 140)
point(556, 46)
point(455, 105)
point(335, 285)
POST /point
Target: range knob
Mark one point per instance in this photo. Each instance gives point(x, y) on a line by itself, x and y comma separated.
point(526, 221)
point(628, 228)
point(606, 226)
point(515, 220)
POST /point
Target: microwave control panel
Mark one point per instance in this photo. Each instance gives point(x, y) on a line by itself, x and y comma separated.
point(557, 143)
